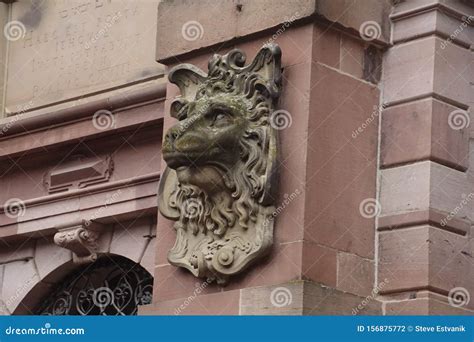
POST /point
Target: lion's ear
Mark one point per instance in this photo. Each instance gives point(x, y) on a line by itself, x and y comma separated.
point(188, 78)
point(270, 176)
point(266, 66)
point(168, 185)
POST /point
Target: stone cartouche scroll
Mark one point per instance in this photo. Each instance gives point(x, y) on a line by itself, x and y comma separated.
point(220, 182)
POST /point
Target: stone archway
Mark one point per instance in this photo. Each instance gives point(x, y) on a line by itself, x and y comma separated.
point(112, 285)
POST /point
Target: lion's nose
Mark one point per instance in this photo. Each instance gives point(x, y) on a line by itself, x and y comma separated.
point(172, 135)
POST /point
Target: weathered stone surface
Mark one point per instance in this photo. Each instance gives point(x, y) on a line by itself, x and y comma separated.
point(193, 29)
point(19, 277)
point(304, 298)
point(334, 139)
point(172, 283)
point(458, 7)
point(319, 264)
point(426, 185)
point(289, 224)
point(48, 257)
point(148, 259)
point(326, 46)
point(421, 130)
point(197, 304)
point(353, 14)
point(21, 251)
point(282, 265)
point(424, 257)
point(282, 299)
point(3, 307)
point(404, 259)
point(41, 139)
point(424, 303)
point(131, 238)
point(352, 56)
point(86, 46)
point(408, 26)
point(3, 46)
point(422, 67)
point(355, 274)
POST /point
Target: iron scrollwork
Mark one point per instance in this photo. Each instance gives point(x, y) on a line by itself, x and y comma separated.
point(103, 288)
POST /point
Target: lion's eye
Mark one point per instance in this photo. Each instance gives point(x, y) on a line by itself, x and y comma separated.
point(220, 116)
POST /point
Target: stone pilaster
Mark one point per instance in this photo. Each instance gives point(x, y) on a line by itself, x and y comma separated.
point(324, 249)
point(426, 185)
point(3, 54)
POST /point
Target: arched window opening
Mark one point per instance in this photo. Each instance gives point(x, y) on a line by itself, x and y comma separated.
point(109, 286)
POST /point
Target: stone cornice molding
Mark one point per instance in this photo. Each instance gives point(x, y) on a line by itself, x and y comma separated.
point(443, 7)
point(15, 125)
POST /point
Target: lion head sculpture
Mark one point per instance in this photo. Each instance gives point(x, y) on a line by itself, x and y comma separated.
point(221, 177)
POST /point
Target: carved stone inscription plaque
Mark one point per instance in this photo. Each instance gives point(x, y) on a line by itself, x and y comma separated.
point(64, 49)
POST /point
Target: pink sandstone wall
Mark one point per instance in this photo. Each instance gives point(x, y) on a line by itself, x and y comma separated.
point(324, 249)
point(424, 231)
point(124, 204)
point(380, 172)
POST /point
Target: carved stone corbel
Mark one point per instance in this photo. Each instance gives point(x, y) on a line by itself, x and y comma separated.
point(81, 239)
point(220, 183)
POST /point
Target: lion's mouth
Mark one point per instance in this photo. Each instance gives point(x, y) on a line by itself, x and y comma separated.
point(176, 159)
